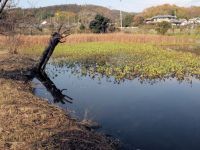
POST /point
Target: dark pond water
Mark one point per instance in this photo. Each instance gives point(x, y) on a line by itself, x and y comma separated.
point(164, 115)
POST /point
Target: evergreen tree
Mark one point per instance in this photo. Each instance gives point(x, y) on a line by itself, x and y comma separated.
point(100, 24)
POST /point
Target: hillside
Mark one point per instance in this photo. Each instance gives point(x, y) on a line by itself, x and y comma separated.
point(34, 20)
point(77, 9)
point(81, 12)
point(167, 9)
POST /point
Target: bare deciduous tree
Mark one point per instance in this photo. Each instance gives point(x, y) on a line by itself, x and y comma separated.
point(8, 19)
point(8, 23)
point(3, 5)
point(7, 4)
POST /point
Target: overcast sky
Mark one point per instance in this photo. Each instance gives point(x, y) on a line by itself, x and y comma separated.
point(127, 5)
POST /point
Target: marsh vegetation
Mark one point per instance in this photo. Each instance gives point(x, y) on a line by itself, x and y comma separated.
point(125, 55)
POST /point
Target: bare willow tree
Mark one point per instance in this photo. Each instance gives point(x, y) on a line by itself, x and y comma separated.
point(7, 4)
point(8, 24)
point(3, 5)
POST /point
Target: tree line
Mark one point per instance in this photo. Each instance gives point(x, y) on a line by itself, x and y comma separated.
point(167, 9)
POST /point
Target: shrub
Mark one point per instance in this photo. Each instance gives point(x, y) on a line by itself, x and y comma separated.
point(163, 27)
point(82, 27)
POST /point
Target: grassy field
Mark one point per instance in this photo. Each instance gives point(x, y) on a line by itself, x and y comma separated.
point(125, 55)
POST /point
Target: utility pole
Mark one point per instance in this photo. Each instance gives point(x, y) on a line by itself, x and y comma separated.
point(175, 13)
point(121, 18)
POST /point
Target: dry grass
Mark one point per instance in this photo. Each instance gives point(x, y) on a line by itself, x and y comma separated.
point(28, 39)
point(126, 38)
point(32, 41)
point(25, 118)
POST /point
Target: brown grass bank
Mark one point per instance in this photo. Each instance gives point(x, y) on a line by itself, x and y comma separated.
point(28, 122)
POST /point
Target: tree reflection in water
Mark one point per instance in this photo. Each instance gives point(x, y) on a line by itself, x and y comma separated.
point(56, 93)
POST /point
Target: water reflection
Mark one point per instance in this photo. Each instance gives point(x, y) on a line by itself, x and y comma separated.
point(83, 70)
point(56, 93)
point(160, 114)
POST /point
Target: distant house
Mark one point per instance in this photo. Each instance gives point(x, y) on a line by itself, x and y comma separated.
point(184, 22)
point(198, 20)
point(148, 21)
point(161, 18)
point(175, 22)
point(44, 22)
point(194, 21)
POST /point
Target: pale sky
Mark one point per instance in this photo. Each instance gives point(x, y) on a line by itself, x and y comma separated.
point(126, 5)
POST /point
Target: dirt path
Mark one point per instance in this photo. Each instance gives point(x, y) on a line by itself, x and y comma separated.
point(28, 122)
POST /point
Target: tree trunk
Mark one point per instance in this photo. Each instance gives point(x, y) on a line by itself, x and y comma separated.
point(55, 39)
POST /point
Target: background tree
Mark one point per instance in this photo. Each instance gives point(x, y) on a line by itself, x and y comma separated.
point(82, 27)
point(8, 24)
point(128, 20)
point(64, 17)
point(111, 27)
point(100, 24)
point(45, 15)
point(138, 20)
point(163, 27)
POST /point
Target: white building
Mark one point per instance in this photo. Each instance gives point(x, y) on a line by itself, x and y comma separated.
point(161, 18)
point(194, 21)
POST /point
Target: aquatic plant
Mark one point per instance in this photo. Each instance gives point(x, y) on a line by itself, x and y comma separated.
point(129, 60)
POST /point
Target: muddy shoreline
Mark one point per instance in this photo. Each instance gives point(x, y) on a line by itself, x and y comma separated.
point(28, 122)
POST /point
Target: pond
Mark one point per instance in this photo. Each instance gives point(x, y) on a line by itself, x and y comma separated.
point(155, 115)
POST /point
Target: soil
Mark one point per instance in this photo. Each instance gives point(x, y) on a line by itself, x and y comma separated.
point(29, 122)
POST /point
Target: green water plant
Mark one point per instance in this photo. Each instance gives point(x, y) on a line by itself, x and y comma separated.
point(125, 60)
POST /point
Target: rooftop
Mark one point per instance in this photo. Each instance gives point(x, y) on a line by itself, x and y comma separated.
point(164, 16)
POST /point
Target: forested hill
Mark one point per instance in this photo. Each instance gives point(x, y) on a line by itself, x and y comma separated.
point(85, 11)
point(167, 9)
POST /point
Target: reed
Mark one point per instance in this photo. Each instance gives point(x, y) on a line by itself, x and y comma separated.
point(31, 41)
